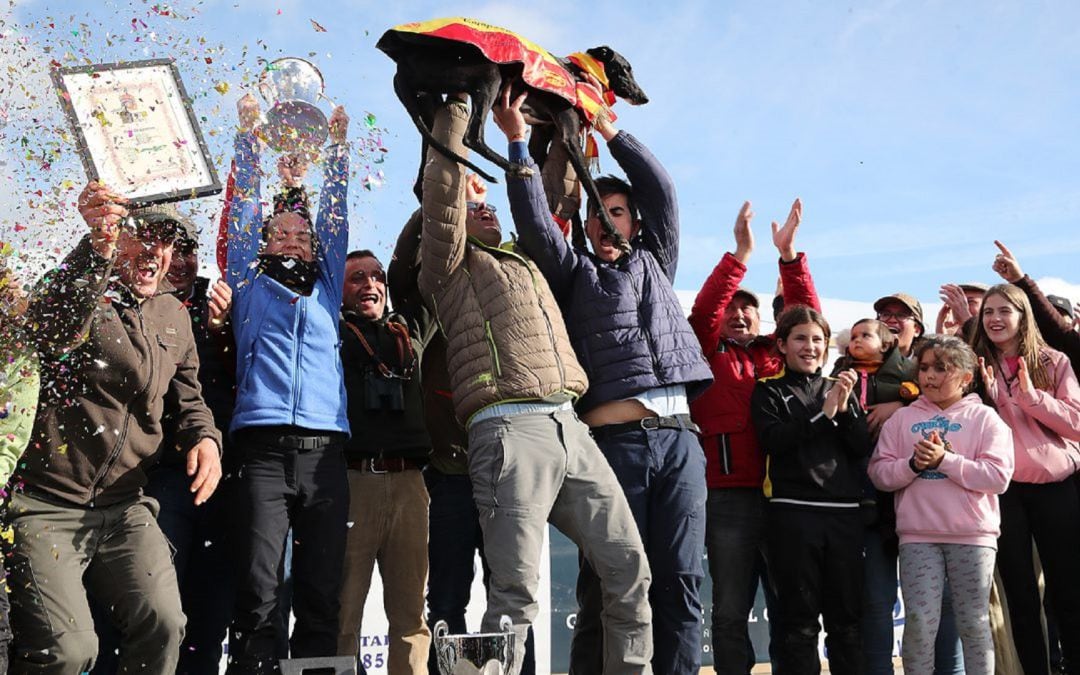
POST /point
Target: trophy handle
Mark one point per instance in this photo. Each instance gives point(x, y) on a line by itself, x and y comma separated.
point(441, 629)
point(507, 627)
point(328, 100)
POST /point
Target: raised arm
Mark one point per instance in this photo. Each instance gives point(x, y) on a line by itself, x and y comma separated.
point(798, 285)
point(245, 209)
point(707, 313)
point(538, 234)
point(654, 194)
point(443, 204)
point(1057, 410)
point(332, 223)
point(1055, 329)
point(62, 307)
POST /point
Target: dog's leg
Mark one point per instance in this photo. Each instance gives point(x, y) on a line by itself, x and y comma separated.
point(569, 128)
point(410, 99)
point(539, 140)
point(483, 97)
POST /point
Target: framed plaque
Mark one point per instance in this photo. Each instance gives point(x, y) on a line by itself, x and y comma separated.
point(136, 131)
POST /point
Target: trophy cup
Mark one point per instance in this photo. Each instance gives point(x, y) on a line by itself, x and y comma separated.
point(292, 87)
point(475, 654)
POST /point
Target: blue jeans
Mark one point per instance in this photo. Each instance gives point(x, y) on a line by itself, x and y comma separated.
point(879, 602)
point(735, 540)
point(453, 540)
point(662, 473)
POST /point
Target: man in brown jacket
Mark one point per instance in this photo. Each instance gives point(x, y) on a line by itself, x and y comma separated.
point(514, 377)
point(118, 369)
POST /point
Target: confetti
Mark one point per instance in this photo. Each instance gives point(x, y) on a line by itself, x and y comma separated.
point(317, 26)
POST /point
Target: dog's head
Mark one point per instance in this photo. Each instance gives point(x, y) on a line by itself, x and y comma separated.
point(620, 75)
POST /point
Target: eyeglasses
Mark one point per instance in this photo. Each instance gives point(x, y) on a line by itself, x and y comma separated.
point(377, 276)
point(885, 316)
point(480, 206)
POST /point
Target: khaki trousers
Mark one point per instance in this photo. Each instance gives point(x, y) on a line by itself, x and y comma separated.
point(388, 513)
point(531, 469)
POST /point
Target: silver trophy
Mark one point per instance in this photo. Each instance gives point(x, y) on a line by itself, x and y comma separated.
point(475, 654)
point(294, 122)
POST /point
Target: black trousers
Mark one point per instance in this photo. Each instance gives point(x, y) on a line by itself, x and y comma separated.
point(281, 485)
point(1049, 514)
point(816, 568)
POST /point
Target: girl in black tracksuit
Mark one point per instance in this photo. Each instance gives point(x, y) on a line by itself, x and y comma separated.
point(815, 437)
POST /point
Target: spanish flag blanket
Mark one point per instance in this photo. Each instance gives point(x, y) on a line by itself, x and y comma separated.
point(540, 69)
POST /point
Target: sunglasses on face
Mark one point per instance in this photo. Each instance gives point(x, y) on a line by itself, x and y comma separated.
point(885, 316)
point(480, 206)
point(377, 276)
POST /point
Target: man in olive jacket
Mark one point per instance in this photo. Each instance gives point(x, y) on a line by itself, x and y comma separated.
point(118, 363)
point(514, 378)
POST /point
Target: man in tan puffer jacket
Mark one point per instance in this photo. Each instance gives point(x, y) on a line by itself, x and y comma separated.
point(514, 377)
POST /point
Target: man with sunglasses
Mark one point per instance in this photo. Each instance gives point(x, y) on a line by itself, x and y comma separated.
point(388, 504)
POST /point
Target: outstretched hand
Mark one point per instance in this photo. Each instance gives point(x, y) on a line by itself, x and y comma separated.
point(339, 125)
point(988, 378)
point(1006, 264)
point(508, 115)
point(103, 210)
point(247, 108)
point(954, 298)
point(475, 189)
point(744, 236)
point(784, 237)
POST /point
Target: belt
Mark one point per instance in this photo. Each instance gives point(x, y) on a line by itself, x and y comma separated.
point(384, 464)
point(290, 441)
point(645, 424)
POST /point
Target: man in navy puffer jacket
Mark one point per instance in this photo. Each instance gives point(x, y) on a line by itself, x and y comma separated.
point(644, 365)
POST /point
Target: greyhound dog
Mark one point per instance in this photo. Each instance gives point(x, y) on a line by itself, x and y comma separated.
point(430, 66)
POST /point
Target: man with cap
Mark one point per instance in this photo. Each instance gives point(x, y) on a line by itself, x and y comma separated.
point(118, 373)
point(970, 293)
point(726, 319)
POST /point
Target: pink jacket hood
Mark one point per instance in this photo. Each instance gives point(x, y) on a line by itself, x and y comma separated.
point(957, 503)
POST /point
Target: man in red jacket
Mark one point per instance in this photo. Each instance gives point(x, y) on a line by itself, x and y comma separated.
point(726, 320)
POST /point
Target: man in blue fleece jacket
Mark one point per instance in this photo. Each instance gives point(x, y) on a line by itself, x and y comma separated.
point(290, 421)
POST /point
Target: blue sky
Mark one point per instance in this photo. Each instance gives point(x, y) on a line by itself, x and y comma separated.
point(915, 132)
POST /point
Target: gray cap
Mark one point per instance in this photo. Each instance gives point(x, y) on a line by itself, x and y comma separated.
point(1062, 305)
point(164, 220)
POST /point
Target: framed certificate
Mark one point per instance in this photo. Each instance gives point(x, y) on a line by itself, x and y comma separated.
point(136, 131)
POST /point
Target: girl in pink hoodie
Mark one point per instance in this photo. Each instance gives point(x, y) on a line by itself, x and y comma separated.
point(1036, 393)
point(947, 456)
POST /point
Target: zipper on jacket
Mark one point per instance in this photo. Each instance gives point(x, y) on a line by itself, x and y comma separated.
point(539, 302)
point(122, 438)
point(298, 328)
point(492, 348)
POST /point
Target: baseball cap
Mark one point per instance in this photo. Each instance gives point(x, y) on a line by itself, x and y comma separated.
point(907, 301)
point(1062, 305)
point(165, 221)
point(749, 295)
point(974, 286)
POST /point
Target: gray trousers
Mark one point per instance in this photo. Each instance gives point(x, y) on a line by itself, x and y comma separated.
point(117, 554)
point(923, 571)
point(534, 468)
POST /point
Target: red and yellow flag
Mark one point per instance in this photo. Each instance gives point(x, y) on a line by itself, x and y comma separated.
point(540, 68)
